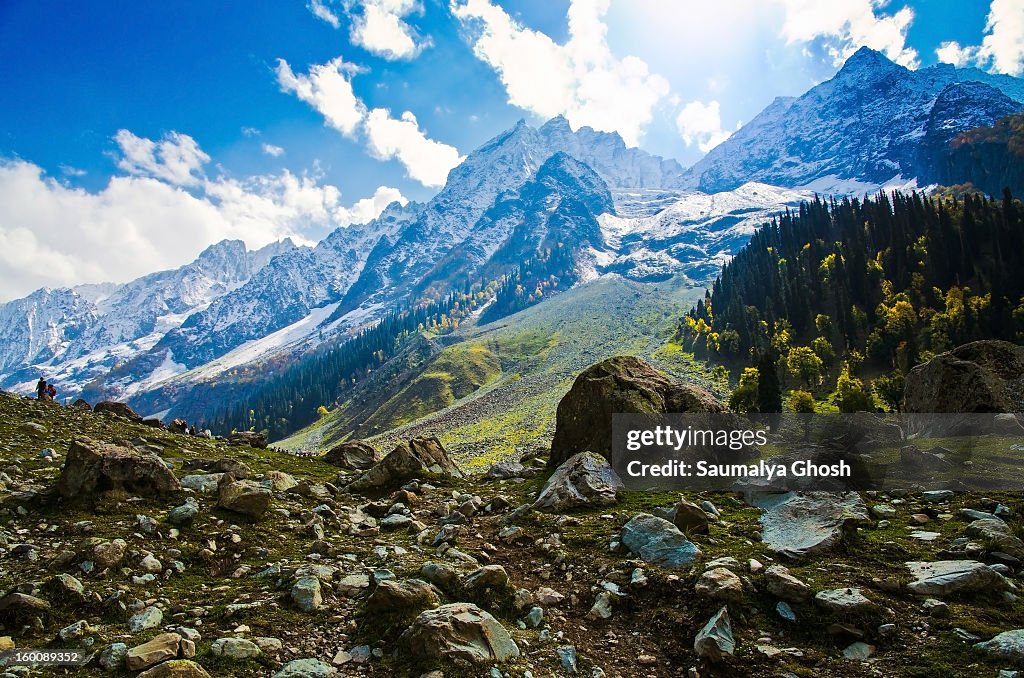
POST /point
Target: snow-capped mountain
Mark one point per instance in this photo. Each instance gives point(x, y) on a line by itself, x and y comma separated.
point(74, 335)
point(866, 124)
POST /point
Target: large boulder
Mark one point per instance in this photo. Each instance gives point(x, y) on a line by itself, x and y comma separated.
point(118, 409)
point(798, 525)
point(946, 577)
point(659, 542)
point(158, 649)
point(248, 438)
point(175, 668)
point(715, 640)
point(584, 480)
point(619, 385)
point(354, 455)
point(415, 458)
point(243, 496)
point(982, 376)
point(1008, 645)
point(93, 467)
point(461, 633)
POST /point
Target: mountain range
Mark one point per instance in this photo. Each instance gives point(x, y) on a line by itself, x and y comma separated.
point(620, 212)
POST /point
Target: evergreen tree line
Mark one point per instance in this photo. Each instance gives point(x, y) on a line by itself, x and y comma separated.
point(545, 273)
point(835, 293)
point(301, 392)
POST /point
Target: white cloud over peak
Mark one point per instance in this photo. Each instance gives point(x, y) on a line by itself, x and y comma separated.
point(701, 124)
point(1002, 48)
point(581, 79)
point(427, 161)
point(328, 89)
point(176, 158)
point(847, 25)
point(54, 235)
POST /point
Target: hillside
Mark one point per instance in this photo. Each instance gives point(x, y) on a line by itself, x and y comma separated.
point(304, 581)
point(875, 287)
point(539, 350)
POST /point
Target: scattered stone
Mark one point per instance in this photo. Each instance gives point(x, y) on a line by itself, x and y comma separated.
point(279, 481)
point(997, 536)
point(306, 594)
point(586, 479)
point(91, 468)
point(148, 618)
point(235, 648)
point(109, 553)
point(158, 649)
point(118, 409)
point(186, 513)
point(947, 577)
point(720, 584)
point(715, 640)
point(505, 469)
point(859, 651)
point(883, 511)
point(690, 518)
point(393, 596)
point(460, 632)
point(936, 609)
point(799, 525)
point(844, 601)
point(306, 668)
point(659, 542)
point(1007, 645)
point(408, 460)
point(176, 668)
point(243, 496)
point(112, 657)
point(567, 657)
point(937, 496)
point(248, 438)
point(783, 609)
point(781, 584)
point(354, 455)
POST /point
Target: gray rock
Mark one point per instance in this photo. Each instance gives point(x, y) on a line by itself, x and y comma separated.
point(997, 536)
point(783, 609)
point(459, 632)
point(690, 518)
point(982, 376)
point(306, 668)
point(715, 640)
point(204, 483)
point(306, 593)
point(112, 656)
point(234, 648)
point(720, 583)
point(659, 542)
point(505, 469)
point(859, 651)
point(781, 584)
point(354, 455)
point(243, 496)
point(186, 513)
point(391, 596)
point(946, 577)
point(796, 525)
point(937, 496)
point(91, 468)
point(1007, 645)
point(585, 479)
point(418, 457)
point(567, 657)
point(149, 618)
point(844, 601)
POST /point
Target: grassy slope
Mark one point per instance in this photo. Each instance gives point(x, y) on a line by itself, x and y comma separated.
point(539, 351)
point(659, 619)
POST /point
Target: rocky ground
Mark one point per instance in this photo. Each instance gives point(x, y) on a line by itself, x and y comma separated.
point(183, 556)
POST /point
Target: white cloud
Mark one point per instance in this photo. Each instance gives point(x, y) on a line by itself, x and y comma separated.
point(701, 124)
point(370, 208)
point(1002, 48)
point(272, 150)
point(581, 79)
point(55, 235)
point(176, 158)
point(951, 52)
point(427, 161)
point(324, 13)
point(379, 27)
point(328, 89)
point(847, 25)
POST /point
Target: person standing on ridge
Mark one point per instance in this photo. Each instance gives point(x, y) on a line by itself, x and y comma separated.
point(41, 389)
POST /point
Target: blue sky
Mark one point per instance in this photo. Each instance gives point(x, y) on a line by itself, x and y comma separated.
point(166, 126)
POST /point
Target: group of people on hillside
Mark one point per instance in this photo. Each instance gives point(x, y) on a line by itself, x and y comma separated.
point(45, 390)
